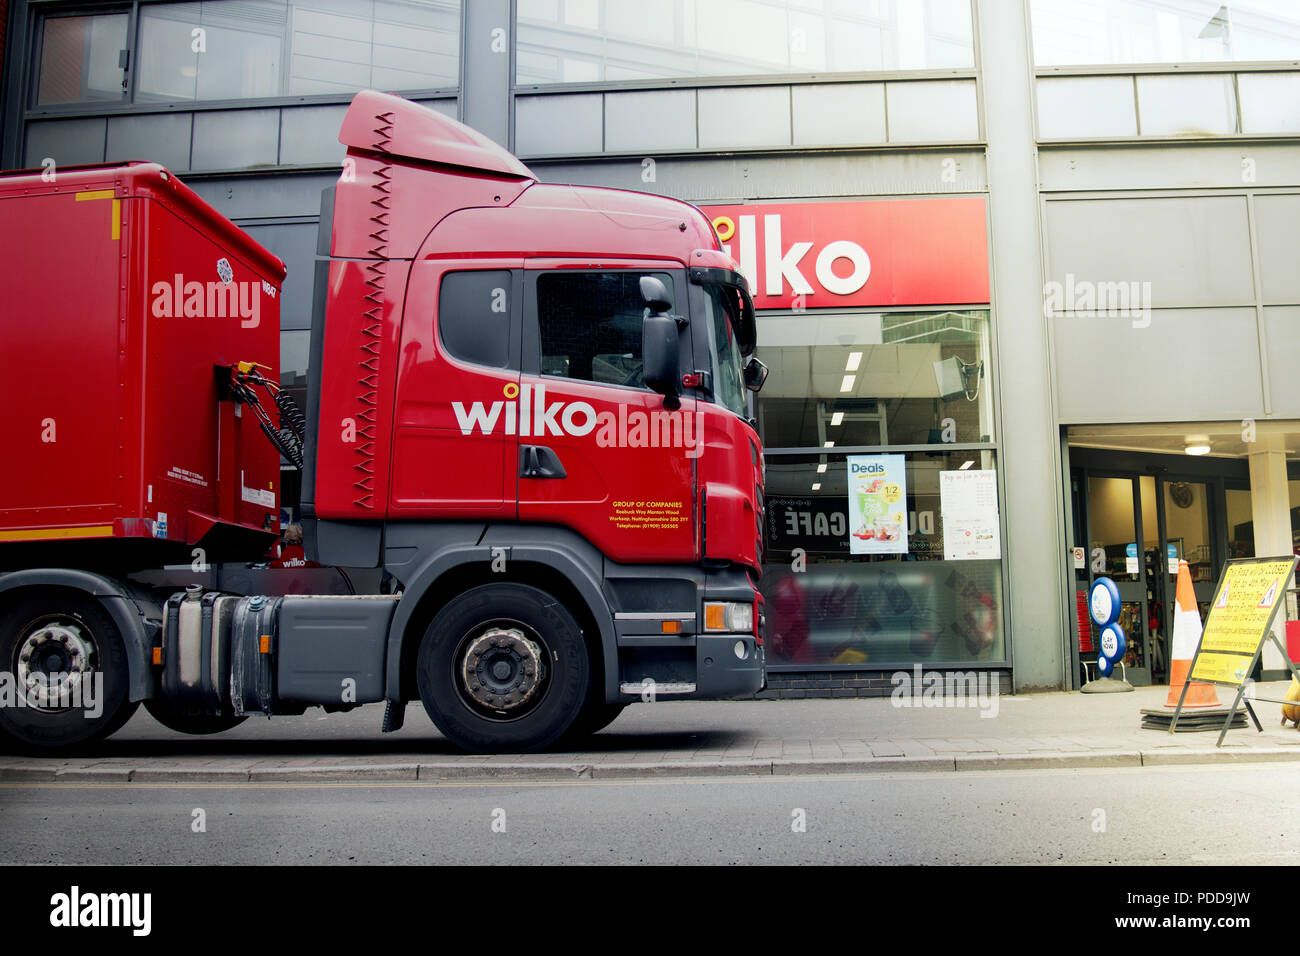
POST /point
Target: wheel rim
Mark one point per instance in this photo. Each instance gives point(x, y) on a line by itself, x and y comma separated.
point(52, 657)
point(501, 670)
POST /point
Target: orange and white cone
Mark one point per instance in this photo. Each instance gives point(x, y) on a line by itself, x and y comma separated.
point(1187, 635)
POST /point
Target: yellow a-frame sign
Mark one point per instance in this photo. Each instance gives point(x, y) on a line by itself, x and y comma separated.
point(1247, 599)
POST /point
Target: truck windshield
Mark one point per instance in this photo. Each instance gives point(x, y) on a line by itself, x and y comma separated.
point(724, 352)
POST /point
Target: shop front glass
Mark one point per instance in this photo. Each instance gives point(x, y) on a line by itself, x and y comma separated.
point(918, 580)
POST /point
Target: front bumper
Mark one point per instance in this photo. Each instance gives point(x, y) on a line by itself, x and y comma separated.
point(720, 674)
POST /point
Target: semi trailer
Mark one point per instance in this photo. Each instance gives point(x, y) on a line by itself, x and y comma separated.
point(526, 416)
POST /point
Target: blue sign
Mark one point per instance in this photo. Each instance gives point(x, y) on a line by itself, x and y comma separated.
point(1131, 550)
point(1103, 602)
point(1113, 643)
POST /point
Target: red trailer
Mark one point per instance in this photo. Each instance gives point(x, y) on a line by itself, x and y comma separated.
point(123, 290)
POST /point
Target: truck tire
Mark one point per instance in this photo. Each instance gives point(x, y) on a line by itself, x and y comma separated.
point(503, 668)
point(595, 717)
point(61, 633)
point(198, 725)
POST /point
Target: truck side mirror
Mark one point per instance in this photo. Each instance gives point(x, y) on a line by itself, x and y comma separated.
point(755, 374)
point(655, 294)
point(659, 355)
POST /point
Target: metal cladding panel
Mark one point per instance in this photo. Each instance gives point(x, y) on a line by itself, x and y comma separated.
point(1191, 251)
point(1193, 365)
point(358, 373)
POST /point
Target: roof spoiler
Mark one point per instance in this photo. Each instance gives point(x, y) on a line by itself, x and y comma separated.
point(384, 124)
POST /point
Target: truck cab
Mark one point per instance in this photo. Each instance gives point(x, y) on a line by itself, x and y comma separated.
point(527, 384)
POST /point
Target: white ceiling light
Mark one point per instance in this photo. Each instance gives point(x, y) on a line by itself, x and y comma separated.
point(1197, 445)
point(829, 444)
point(848, 383)
point(837, 418)
point(817, 486)
point(821, 469)
point(966, 464)
point(855, 359)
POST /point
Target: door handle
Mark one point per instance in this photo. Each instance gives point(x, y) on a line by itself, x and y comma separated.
point(538, 461)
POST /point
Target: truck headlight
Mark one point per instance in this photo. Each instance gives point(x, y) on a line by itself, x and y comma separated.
point(734, 616)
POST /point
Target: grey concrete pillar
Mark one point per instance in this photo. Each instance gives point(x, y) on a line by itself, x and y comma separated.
point(1270, 511)
point(1034, 548)
point(487, 68)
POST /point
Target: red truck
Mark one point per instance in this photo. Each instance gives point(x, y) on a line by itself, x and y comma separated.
point(526, 412)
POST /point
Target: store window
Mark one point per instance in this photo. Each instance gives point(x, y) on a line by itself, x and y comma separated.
point(1102, 32)
point(82, 59)
point(844, 591)
point(596, 41)
point(875, 378)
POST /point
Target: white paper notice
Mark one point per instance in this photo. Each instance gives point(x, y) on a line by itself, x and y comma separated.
point(968, 501)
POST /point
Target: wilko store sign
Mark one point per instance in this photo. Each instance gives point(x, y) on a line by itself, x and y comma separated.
point(882, 252)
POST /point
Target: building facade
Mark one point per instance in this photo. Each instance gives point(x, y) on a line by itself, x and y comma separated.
point(1033, 258)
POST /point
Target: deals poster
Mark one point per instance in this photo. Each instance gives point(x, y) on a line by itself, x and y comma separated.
point(877, 504)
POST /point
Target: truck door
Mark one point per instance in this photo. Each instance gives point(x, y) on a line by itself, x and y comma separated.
point(458, 382)
point(598, 451)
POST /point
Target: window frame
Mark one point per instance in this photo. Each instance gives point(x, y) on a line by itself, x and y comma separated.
point(532, 337)
point(37, 55)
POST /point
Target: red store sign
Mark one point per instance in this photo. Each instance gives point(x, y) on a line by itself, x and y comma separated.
point(878, 252)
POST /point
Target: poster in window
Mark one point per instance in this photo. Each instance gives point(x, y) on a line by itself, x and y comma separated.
point(877, 504)
point(968, 501)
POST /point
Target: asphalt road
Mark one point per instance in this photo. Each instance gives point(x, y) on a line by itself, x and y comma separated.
point(1223, 814)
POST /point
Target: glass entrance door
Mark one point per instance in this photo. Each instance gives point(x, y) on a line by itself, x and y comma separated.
point(1116, 549)
point(1136, 528)
point(1187, 522)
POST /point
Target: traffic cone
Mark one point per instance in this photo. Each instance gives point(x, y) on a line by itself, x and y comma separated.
point(1187, 635)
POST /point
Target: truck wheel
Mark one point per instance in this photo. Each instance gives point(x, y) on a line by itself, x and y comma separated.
point(198, 725)
point(503, 668)
point(67, 673)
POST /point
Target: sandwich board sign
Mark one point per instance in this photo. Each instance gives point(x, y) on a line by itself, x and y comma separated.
point(1249, 594)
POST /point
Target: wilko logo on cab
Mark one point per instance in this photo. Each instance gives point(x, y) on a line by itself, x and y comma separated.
point(878, 252)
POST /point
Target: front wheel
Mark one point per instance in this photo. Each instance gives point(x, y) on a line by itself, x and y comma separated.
point(503, 668)
point(67, 671)
point(595, 716)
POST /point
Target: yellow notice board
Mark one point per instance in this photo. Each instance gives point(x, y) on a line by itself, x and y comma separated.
point(1249, 594)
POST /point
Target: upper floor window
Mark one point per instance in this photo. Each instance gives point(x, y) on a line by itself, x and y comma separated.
point(596, 41)
point(82, 59)
point(1102, 32)
point(245, 49)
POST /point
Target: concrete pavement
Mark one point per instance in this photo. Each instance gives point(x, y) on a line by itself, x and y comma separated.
point(1048, 730)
